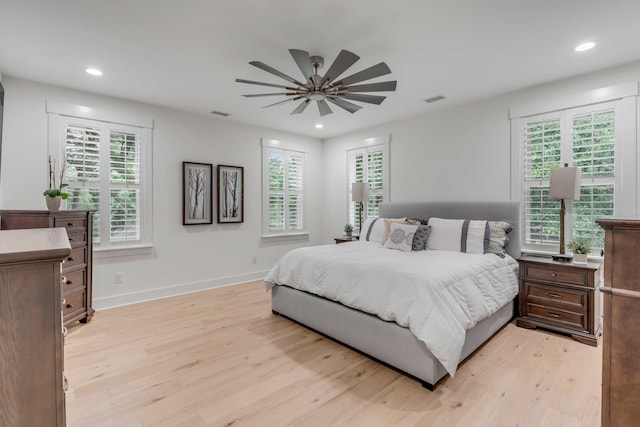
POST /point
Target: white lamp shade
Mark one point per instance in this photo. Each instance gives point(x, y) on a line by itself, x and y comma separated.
point(359, 191)
point(565, 183)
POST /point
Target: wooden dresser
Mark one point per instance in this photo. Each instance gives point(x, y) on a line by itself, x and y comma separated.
point(32, 382)
point(77, 267)
point(561, 297)
point(621, 336)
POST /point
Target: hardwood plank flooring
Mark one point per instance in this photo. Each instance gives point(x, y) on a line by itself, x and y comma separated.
point(220, 358)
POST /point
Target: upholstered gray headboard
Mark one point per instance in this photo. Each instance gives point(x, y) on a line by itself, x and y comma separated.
point(496, 211)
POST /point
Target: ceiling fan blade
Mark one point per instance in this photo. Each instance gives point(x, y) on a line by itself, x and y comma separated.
point(275, 72)
point(323, 107)
point(349, 106)
point(282, 102)
point(344, 60)
point(251, 82)
point(371, 99)
point(372, 72)
point(373, 87)
point(268, 94)
point(304, 62)
point(300, 108)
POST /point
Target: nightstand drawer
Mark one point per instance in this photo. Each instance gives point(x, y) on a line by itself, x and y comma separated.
point(572, 299)
point(73, 280)
point(78, 256)
point(558, 275)
point(557, 317)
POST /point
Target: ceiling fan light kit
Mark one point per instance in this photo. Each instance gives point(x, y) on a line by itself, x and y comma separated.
point(326, 88)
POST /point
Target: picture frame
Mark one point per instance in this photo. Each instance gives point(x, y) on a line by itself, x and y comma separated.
point(197, 189)
point(230, 194)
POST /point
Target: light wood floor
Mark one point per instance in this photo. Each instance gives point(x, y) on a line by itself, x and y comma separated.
point(221, 358)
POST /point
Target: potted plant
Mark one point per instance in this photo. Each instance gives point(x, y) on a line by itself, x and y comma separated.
point(348, 230)
point(55, 194)
point(581, 249)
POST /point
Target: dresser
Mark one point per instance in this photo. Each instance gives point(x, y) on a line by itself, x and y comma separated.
point(32, 383)
point(77, 267)
point(561, 297)
point(621, 336)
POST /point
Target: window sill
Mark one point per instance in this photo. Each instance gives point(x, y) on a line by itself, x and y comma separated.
point(591, 258)
point(122, 251)
point(286, 236)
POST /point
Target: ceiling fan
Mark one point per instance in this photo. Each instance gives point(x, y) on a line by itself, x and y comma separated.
point(326, 88)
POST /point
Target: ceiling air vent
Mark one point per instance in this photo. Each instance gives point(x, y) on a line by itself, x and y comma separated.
point(434, 99)
point(220, 113)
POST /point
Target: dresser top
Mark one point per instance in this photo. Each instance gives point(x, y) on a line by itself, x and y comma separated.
point(629, 224)
point(33, 244)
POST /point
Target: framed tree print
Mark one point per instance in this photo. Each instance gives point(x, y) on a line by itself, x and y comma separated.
point(197, 187)
point(230, 194)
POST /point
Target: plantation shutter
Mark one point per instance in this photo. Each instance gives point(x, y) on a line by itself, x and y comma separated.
point(367, 165)
point(124, 156)
point(285, 190)
point(593, 151)
point(82, 154)
point(542, 152)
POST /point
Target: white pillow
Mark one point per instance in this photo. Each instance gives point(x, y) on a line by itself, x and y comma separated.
point(401, 236)
point(459, 235)
point(373, 229)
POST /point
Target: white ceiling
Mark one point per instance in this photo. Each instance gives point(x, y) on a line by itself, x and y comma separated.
point(186, 54)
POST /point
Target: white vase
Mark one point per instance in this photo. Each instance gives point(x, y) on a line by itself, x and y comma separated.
point(53, 203)
point(580, 258)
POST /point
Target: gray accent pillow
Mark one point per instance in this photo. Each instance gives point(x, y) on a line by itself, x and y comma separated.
point(420, 238)
point(498, 238)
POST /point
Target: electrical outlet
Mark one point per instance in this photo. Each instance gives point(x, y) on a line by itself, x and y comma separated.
point(254, 259)
point(118, 278)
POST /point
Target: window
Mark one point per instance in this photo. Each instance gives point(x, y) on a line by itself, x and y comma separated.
point(368, 164)
point(106, 171)
point(586, 138)
point(283, 192)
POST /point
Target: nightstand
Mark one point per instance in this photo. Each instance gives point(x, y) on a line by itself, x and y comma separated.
point(345, 239)
point(561, 297)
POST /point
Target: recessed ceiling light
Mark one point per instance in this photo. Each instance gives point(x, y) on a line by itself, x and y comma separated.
point(319, 126)
point(93, 71)
point(585, 46)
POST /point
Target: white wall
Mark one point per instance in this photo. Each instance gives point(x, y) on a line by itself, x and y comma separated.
point(457, 154)
point(184, 258)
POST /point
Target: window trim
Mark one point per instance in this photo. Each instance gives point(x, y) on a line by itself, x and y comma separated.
point(626, 95)
point(269, 145)
point(57, 114)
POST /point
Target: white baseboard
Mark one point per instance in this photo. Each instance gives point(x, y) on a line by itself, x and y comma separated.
point(171, 291)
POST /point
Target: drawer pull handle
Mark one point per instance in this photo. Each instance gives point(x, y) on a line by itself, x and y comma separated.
point(71, 259)
point(552, 295)
point(71, 239)
point(554, 274)
point(65, 383)
point(69, 282)
point(69, 224)
point(556, 315)
point(69, 305)
point(63, 279)
point(64, 331)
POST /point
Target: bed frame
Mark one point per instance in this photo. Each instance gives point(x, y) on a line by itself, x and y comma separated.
point(388, 342)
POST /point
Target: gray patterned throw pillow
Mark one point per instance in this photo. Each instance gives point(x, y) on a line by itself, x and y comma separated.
point(420, 238)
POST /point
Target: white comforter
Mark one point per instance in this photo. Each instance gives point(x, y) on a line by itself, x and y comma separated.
point(438, 295)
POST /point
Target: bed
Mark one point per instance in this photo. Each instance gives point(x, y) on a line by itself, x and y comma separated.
point(390, 340)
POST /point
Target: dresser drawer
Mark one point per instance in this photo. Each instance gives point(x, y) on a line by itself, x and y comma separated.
point(557, 275)
point(570, 299)
point(78, 256)
point(77, 239)
point(70, 223)
point(73, 304)
point(73, 280)
point(557, 316)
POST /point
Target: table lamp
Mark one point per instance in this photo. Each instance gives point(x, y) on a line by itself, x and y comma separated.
point(564, 185)
point(360, 194)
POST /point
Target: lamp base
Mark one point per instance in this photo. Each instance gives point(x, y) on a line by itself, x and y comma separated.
point(562, 257)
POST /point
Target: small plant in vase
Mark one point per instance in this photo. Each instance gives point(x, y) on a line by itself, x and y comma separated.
point(348, 230)
point(55, 194)
point(581, 250)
